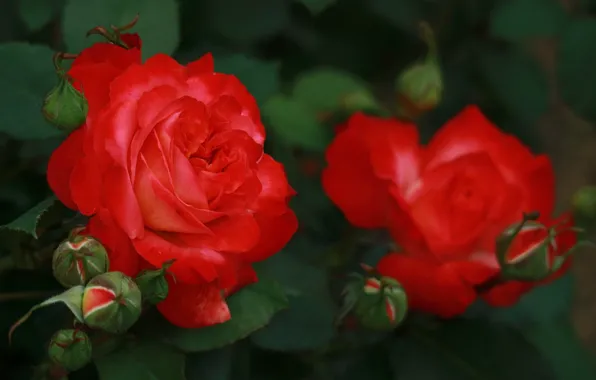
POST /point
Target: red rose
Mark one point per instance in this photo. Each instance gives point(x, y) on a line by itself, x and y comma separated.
point(170, 165)
point(444, 203)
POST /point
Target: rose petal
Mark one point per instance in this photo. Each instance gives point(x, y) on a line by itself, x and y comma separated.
point(62, 163)
point(194, 306)
point(202, 65)
point(123, 257)
point(430, 287)
point(276, 232)
point(275, 189)
point(120, 199)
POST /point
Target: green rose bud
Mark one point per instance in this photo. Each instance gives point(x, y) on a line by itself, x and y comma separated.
point(71, 349)
point(64, 106)
point(420, 86)
point(383, 304)
point(584, 202)
point(78, 259)
point(378, 303)
point(153, 284)
point(111, 302)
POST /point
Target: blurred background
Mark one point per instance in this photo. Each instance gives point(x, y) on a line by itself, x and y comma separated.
point(529, 64)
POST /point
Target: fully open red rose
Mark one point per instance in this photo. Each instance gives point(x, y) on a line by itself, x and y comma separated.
point(444, 203)
point(170, 165)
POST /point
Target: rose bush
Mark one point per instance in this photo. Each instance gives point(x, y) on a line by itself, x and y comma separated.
point(444, 203)
point(170, 165)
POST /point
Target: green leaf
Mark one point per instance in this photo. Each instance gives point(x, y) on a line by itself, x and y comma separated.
point(146, 360)
point(26, 76)
point(517, 20)
point(244, 21)
point(158, 25)
point(317, 6)
point(295, 123)
point(518, 82)
point(251, 309)
point(325, 89)
point(404, 14)
point(29, 221)
point(307, 324)
point(38, 13)
point(230, 362)
point(559, 342)
point(261, 78)
point(576, 75)
point(459, 349)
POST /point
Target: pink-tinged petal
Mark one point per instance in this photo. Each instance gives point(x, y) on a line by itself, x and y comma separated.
point(275, 189)
point(194, 306)
point(431, 287)
point(113, 130)
point(120, 199)
point(349, 180)
point(276, 232)
point(123, 257)
point(231, 233)
point(86, 185)
point(187, 184)
point(394, 149)
point(211, 88)
point(203, 65)
point(61, 165)
point(193, 265)
point(159, 70)
point(161, 210)
point(471, 132)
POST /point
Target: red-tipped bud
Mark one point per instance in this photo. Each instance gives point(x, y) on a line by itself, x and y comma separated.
point(71, 349)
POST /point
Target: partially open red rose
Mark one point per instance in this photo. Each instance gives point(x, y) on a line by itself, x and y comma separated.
point(444, 203)
point(170, 165)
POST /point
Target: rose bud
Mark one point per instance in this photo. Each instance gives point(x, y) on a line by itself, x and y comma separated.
point(153, 284)
point(71, 349)
point(584, 202)
point(420, 86)
point(78, 259)
point(64, 106)
point(380, 303)
point(111, 302)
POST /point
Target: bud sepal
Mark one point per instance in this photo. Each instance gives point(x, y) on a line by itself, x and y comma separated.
point(153, 284)
point(71, 349)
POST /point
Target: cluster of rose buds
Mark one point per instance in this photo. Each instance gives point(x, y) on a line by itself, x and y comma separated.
point(100, 300)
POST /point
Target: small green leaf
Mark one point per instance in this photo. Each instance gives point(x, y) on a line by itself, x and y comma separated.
point(576, 74)
point(29, 221)
point(158, 24)
point(317, 6)
point(244, 21)
point(517, 81)
point(251, 309)
point(467, 350)
point(307, 324)
point(517, 20)
point(325, 89)
point(38, 13)
point(72, 298)
point(145, 360)
point(26, 76)
point(295, 123)
point(261, 78)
